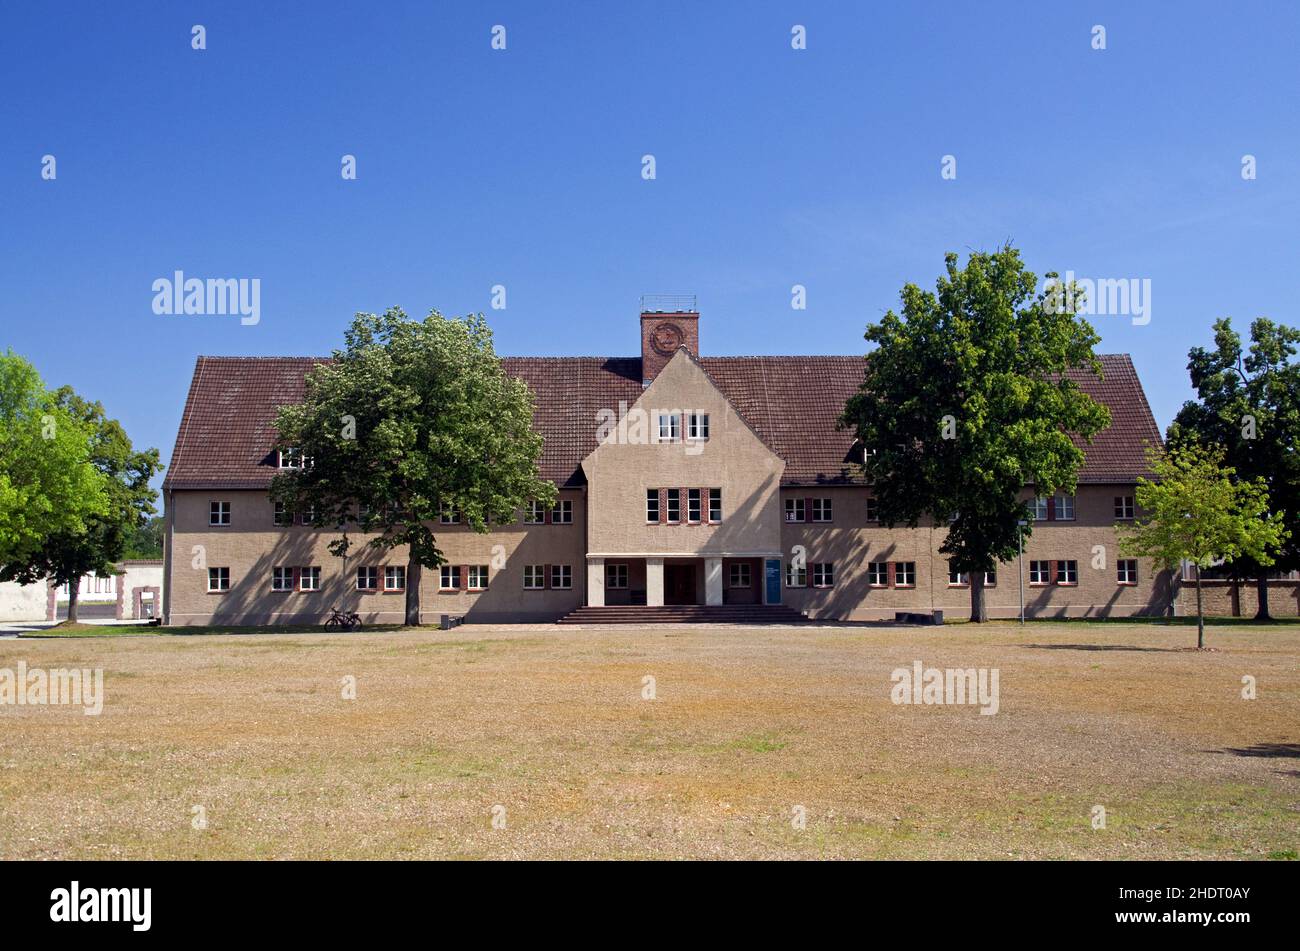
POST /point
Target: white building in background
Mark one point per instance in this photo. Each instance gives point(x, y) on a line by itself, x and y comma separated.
point(135, 592)
point(93, 588)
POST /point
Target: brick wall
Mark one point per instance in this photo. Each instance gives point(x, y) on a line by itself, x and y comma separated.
point(1239, 598)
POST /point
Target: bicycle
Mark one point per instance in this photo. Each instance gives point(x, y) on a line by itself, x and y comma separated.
point(342, 620)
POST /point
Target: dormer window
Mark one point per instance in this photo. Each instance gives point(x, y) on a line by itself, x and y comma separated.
point(292, 458)
point(669, 427)
point(697, 427)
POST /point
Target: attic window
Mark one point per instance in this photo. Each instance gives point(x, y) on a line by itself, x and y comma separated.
point(292, 458)
point(669, 427)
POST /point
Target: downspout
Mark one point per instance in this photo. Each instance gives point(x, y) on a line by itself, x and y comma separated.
point(168, 553)
point(586, 537)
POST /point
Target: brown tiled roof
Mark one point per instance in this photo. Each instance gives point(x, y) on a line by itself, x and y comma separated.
point(227, 429)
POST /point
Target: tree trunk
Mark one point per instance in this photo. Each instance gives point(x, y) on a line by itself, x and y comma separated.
point(1261, 590)
point(978, 611)
point(412, 593)
point(1200, 612)
point(74, 592)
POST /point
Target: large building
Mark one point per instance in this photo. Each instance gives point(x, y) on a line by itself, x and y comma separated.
point(682, 478)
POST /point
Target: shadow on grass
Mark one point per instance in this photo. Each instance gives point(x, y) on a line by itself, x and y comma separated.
point(1266, 750)
point(140, 630)
point(1104, 647)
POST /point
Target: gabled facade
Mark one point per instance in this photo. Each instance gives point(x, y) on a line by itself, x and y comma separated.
point(683, 498)
point(683, 479)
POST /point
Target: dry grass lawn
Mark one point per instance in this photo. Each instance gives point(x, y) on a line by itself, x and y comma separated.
point(549, 724)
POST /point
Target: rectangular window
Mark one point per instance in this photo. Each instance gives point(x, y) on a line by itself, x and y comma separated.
point(367, 578)
point(823, 574)
point(715, 505)
point(674, 505)
point(308, 515)
point(218, 579)
point(905, 574)
point(449, 578)
point(692, 505)
point(1127, 570)
point(1065, 507)
point(534, 577)
point(449, 516)
point(309, 578)
point(873, 509)
point(281, 579)
point(962, 579)
point(794, 510)
point(562, 514)
point(616, 576)
point(821, 510)
point(697, 426)
point(219, 513)
point(878, 574)
point(394, 577)
point(652, 505)
point(534, 514)
point(1040, 508)
point(478, 577)
point(668, 427)
point(562, 576)
point(283, 516)
point(292, 458)
point(1067, 572)
point(796, 577)
point(739, 575)
point(1123, 506)
point(1040, 572)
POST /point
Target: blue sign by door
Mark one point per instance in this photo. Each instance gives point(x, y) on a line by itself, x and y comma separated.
point(772, 577)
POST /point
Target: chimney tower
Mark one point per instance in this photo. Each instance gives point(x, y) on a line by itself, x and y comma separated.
point(668, 323)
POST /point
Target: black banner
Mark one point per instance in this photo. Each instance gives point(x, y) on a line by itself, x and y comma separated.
point(945, 900)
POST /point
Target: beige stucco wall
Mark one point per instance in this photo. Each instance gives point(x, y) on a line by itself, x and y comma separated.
point(252, 545)
point(734, 459)
point(851, 543)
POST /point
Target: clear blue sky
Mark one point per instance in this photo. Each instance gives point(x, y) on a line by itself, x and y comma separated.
point(523, 168)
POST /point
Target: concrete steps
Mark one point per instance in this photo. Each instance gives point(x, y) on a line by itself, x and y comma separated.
point(686, 614)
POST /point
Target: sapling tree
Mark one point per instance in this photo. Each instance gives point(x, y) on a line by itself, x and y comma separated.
point(1196, 510)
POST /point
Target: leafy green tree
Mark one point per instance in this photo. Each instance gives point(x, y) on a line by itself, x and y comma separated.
point(146, 542)
point(48, 485)
point(122, 473)
point(409, 419)
point(966, 400)
point(1249, 403)
point(1197, 509)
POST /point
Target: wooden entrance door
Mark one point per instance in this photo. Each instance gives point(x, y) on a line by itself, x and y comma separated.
point(679, 584)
